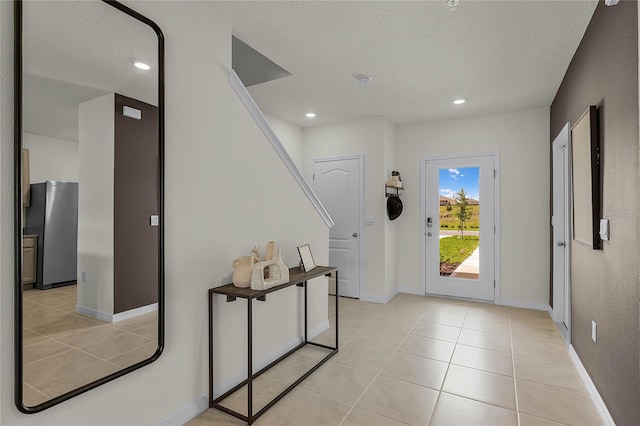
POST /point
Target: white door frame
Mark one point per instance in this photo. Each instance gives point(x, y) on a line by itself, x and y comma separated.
point(562, 294)
point(361, 237)
point(496, 200)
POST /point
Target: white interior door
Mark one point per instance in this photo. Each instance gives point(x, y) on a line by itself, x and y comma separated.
point(337, 183)
point(561, 227)
point(460, 254)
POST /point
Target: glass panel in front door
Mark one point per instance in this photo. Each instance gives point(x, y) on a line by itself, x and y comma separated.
point(459, 222)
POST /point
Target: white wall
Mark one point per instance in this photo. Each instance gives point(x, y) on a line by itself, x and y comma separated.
point(290, 136)
point(96, 139)
point(209, 140)
point(51, 158)
point(6, 207)
point(523, 141)
point(359, 137)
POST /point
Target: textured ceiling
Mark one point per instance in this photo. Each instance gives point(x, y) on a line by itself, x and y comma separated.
point(501, 55)
point(76, 50)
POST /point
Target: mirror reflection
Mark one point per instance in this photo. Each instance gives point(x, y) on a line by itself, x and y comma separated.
point(90, 195)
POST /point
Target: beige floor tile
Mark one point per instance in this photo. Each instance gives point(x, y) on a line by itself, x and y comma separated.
point(397, 320)
point(137, 322)
point(44, 349)
point(107, 349)
point(436, 331)
point(447, 307)
point(525, 314)
point(264, 390)
point(32, 397)
point(440, 350)
point(489, 313)
point(92, 336)
point(213, 417)
point(444, 318)
point(416, 369)
point(66, 382)
point(453, 410)
point(302, 407)
point(338, 382)
point(362, 356)
point(483, 359)
point(560, 405)
point(361, 315)
point(43, 296)
point(314, 352)
point(150, 332)
point(291, 368)
point(481, 339)
point(536, 333)
point(527, 420)
point(57, 365)
point(550, 351)
point(69, 325)
point(136, 355)
point(487, 325)
point(401, 401)
point(360, 417)
point(480, 385)
point(550, 373)
point(535, 321)
point(28, 306)
point(381, 337)
point(66, 303)
point(40, 318)
point(328, 337)
point(30, 337)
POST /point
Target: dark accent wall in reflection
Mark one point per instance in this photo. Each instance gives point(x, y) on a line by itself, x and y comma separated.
point(136, 183)
point(604, 72)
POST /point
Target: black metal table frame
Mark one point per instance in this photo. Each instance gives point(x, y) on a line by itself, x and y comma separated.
point(262, 296)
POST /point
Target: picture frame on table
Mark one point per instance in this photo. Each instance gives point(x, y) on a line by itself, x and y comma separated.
point(306, 258)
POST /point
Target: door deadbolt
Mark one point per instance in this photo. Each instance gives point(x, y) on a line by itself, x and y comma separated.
point(355, 235)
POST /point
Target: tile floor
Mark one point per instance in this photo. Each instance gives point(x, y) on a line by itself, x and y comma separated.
point(64, 350)
point(427, 361)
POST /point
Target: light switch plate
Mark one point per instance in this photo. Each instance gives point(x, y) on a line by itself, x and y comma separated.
point(134, 113)
point(604, 229)
point(370, 220)
point(155, 220)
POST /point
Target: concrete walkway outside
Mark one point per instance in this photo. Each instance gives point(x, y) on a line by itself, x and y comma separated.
point(470, 267)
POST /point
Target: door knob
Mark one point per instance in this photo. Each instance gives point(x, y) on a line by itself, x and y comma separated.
point(355, 235)
point(561, 244)
point(429, 234)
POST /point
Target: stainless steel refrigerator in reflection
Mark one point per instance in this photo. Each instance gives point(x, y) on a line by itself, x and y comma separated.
point(53, 216)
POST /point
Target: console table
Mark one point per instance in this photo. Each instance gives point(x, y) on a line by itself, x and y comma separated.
point(232, 293)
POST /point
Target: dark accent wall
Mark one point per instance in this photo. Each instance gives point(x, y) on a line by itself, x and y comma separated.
point(136, 189)
point(605, 283)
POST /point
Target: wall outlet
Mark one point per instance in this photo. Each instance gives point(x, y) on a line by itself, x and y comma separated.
point(594, 332)
point(83, 277)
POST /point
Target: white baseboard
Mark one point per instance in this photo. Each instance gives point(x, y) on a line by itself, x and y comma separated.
point(121, 316)
point(408, 290)
point(591, 388)
point(378, 299)
point(186, 412)
point(318, 329)
point(523, 304)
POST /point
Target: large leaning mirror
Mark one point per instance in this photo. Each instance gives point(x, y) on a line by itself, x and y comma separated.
point(89, 188)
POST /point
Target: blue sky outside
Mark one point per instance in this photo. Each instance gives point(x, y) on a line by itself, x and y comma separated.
point(451, 180)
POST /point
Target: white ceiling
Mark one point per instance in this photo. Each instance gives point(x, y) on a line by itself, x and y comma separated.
point(74, 51)
point(501, 55)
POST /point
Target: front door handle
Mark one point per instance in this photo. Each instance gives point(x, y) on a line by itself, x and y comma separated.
point(561, 244)
point(355, 235)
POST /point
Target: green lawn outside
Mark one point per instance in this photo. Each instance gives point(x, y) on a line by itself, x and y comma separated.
point(448, 219)
point(455, 250)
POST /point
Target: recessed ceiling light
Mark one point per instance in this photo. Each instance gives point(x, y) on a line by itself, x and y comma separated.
point(142, 65)
point(460, 101)
point(310, 115)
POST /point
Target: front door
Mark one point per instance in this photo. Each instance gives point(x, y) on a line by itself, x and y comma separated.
point(560, 221)
point(460, 226)
point(337, 183)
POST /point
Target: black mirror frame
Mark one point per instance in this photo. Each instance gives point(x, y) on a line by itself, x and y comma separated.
point(18, 385)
